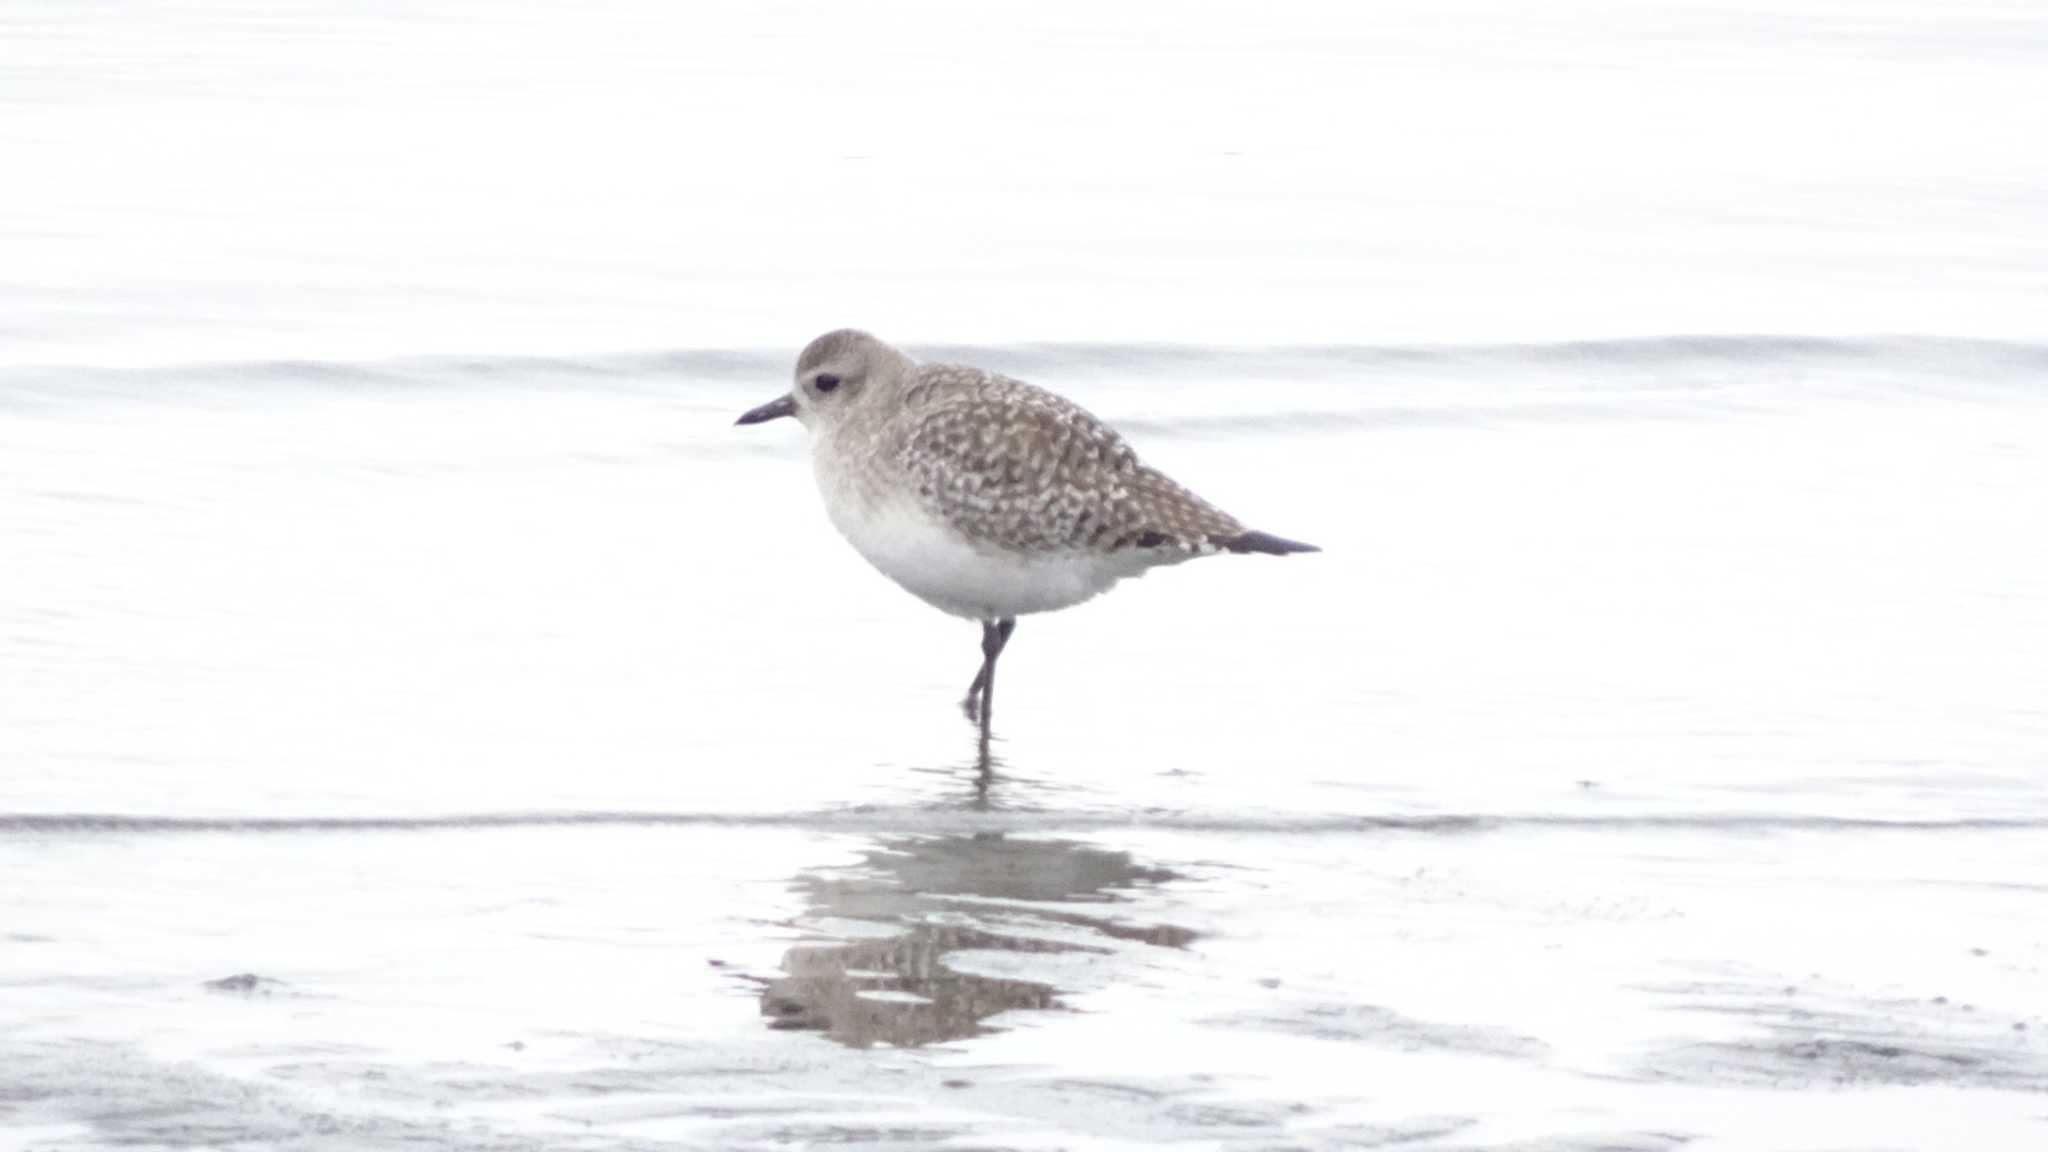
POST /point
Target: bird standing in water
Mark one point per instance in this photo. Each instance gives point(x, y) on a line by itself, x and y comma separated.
point(984, 496)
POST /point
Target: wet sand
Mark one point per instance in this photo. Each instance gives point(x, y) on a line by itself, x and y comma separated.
point(515, 760)
point(993, 982)
point(426, 722)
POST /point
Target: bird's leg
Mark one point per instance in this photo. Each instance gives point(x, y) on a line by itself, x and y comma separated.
point(992, 637)
point(994, 634)
point(991, 650)
point(972, 703)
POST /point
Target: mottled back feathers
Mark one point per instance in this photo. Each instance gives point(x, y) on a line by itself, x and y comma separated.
point(1013, 466)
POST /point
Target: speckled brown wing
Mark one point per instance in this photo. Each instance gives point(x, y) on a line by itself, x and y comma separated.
point(1014, 466)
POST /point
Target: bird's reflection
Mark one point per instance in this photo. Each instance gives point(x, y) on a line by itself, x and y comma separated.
point(938, 895)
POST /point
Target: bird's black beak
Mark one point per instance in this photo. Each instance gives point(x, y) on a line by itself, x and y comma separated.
point(774, 409)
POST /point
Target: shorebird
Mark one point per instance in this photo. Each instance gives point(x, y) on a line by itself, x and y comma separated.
point(984, 496)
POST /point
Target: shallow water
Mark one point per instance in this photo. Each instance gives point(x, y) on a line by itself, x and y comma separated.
point(1653, 757)
point(425, 720)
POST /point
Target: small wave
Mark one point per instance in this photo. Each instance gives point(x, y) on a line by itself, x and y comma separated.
point(1052, 361)
point(953, 820)
point(1644, 350)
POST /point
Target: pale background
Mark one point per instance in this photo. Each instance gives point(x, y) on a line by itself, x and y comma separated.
point(388, 610)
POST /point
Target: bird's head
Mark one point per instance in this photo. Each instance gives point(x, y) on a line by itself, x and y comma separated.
point(839, 374)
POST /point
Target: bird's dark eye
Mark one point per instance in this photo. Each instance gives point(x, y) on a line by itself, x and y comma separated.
point(826, 381)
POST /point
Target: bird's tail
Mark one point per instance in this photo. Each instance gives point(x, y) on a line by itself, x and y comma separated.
point(1264, 542)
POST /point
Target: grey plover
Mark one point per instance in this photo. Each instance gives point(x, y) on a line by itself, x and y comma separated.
point(984, 496)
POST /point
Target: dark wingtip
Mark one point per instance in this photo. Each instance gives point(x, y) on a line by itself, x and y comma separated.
point(1265, 543)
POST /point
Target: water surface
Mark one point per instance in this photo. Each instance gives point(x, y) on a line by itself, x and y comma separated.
point(425, 720)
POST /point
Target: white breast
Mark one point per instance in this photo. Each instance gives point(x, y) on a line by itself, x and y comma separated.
point(944, 568)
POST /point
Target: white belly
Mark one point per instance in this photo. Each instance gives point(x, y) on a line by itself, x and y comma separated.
point(947, 571)
point(944, 568)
